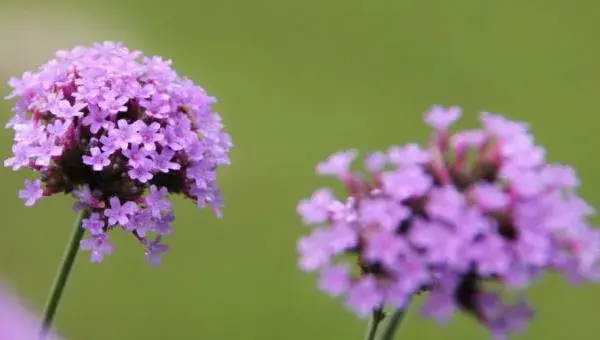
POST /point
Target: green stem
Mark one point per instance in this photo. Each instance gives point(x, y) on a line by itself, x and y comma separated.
point(374, 322)
point(393, 324)
point(60, 281)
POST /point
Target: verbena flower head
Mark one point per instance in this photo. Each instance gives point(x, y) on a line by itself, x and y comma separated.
point(118, 131)
point(469, 217)
point(16, 322)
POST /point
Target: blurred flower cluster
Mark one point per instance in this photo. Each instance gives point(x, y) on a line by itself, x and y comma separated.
point(16, 322)
point(118, 131)
point(472, 218)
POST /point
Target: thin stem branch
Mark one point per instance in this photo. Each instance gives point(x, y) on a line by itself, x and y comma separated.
point(394, 324)
point(62, 276)
point(374, 323)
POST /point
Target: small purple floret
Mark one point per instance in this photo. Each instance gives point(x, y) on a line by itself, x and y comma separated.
point(32, 192)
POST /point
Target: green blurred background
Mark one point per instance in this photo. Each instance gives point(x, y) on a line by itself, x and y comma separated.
point(297, 80)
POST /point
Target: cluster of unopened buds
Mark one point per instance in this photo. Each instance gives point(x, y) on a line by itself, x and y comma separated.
point(119, 132)
point(466, 218)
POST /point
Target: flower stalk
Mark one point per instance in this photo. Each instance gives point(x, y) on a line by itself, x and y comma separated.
point(393, 325)
point(62, 276)
point(376, 318)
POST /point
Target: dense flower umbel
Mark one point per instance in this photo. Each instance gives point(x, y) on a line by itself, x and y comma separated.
point(119, 132)
point(471, 208)
point(16, 322)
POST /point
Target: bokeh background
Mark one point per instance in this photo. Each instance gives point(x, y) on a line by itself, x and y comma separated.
point(297, 80)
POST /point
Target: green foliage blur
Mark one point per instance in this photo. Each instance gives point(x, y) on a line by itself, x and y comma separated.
point(297, 80)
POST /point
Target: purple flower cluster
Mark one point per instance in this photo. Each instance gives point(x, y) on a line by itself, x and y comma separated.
point(118, 131)
point(467, 218)
point(16, 322)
